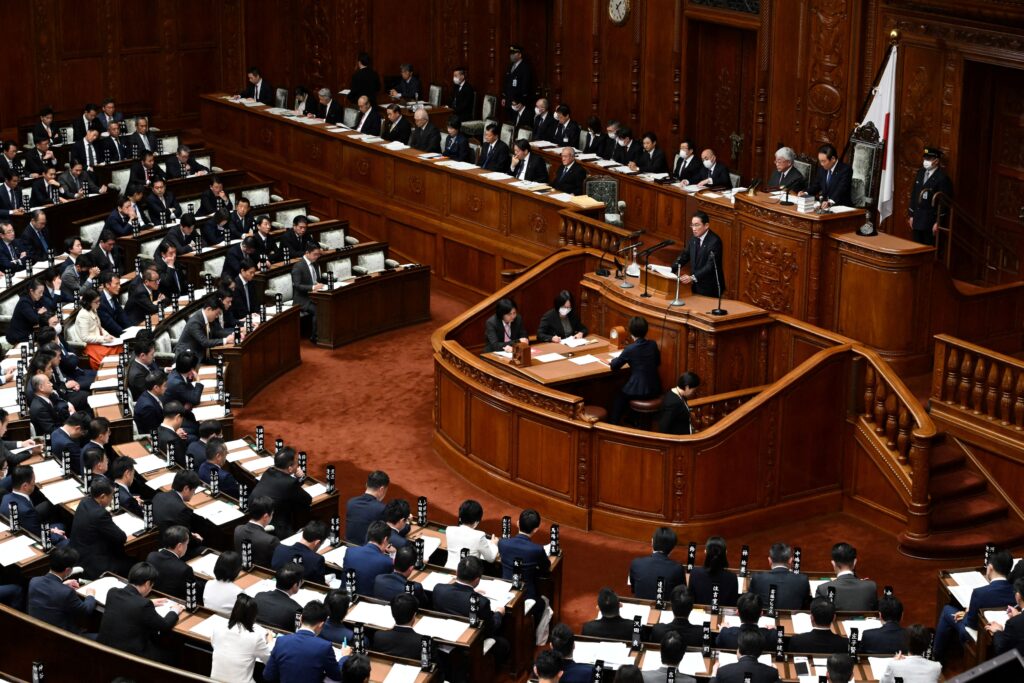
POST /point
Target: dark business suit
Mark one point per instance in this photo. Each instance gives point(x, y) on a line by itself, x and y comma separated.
point(47, 415)
point(25, 319)
point(277, 608)
point(532, 168)
point(368, 562)
point(36, 243)
point(288, 496)
point(517, 84)
point(852, 594)
point(701, 265)
point(199, 337)
point(170, 509)
point(28, 516)
point(463, 100)
point(644, 573)
point(819, 641)
point(702, 582)
point(401, 641)
point(535, 562)
point(105, 260)
point(112, 149)
point(792, 591)
point(836, 186)
point(43, 193)
point(141, 304)
point(264, 95)
point(127, 501)
point(454, 598)
point(137, 380)
point(611, 628)
point(336, 633)
point(674, 416)
point(168, 441)
point(495, 157)
point(312, 563)
point(225, 480)
point(80, 127)
point(139, 143)
point(112, 315)
point(793, 180)
point(387, 586)
point(399, 131)
point(244, 302)
point(209, 202)
point(300, 658)
point(360, 512)
point(130, 623)
point(887, 640)
point(595, 143)
point(34, 162)
point(567, 135)
point(118, 223)
point(180, 241)
point(923, 211)
point(238, 226)
point(303, 281)
point(456, 147)
point(186, 391)
point(494, 331)
point(10, 200)
point(426, 139)
point(370, 122)
point(728, 638)
point(70, 184)
point(737, 673)
point(175, 573)
point(1012, 636)
point(331, 112)
point(692, 634)
point(97, 539)
point(62, 444)
point(652, 162)
point(364, 81)
point(551, 325)
point(625, 154)
point(544, 127)
point(409, 89)
point(263, 543)
point(295, 245)
point(570, 179)
point(687, 169)
point(51, 601)
point(643, 358)
point(719, 175)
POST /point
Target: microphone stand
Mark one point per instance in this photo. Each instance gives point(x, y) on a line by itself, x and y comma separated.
point(604, 272)
point(786, 202)
point(677, 301)
point(718, 283)
point(647, 276)
point(625, 284)
point(646, 256)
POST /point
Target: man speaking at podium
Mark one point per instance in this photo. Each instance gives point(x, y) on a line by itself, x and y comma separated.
point(698, 253)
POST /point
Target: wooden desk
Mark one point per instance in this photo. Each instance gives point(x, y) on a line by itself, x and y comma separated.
point(561, 371)
point(269, 351)
point(466, 227)
point(372, 304)
point(437, 115)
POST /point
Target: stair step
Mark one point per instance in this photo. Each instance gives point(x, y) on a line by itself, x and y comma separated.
point(964, 513)
point(965, 543)
point(946, 457)
point(955, 483)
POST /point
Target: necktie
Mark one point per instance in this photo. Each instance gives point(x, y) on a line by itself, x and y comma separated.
point(177, 283)
point(487, 155)
point(508, 331)
point(312, 273)
point(42, 238)
point(559, 131)
point(145, 141)
point(245, 288)
point(88, 155)
point(256, 96)
point(828, 178)
point(521, 171)
point(587, 146)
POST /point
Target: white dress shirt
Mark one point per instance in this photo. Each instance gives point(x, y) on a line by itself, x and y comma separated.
point(235, 652)
point(913, 669)
point(220, 596)
point(462, 536)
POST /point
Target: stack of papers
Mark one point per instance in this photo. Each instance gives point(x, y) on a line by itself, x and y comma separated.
point(208, 412)
point(101, 587)
point(373, 139)
point(260, 587)
point(861, 625)
point(315, 490)
point(587, 156)
point(969, 579)
point(396, 146)
point(219, 512)
point(434, 579)
point(204, 564)
point(802, 622)
point(692, 663)
point(573, 342)
point(662, 270)
point(430, 155)
point(445, 629)
point(541, 144)
point(368, 613)
point(129, 524)
point(621, 169)
point(613, 654)
point(731, 658)
point(962, 594)
point(430, 544)
point(562, 196)
point(62, 491)
point(497, 175)
point(101, 400)
point(606, 163)
point(549, 357)
point(205, 627)
point(336, 556)
point(149, 463)
point(733, 621)
point(497, 590)
point(996, 616)
point(15, 550)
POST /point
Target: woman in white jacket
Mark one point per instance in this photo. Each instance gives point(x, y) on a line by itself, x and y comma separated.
point(89, 329)
point(239, 643)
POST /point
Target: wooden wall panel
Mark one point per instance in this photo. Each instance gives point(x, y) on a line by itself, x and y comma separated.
point(717, 491)
point(453, 422)
point(490, 434)
point(631, 479)
point(545, 457)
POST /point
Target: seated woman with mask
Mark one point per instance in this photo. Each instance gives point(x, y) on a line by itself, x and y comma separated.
point(562, 321)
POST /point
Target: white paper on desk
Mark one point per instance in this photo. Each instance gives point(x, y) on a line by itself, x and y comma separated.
point(692, 663)
point(101, 587)
point(996, 616)
point(562, 196)
point(657, 176)
point(497, 175)
point(434, 579)
point(204, 564)
point(861, 625)
point(106, 383)
point(430, 155)
point(10, 363)
point(15, 550)
point(4, 527)
point(839, 208)
point(130, 332)
point(100, 400)
point(628, 610)
point(372, 139)
point(62, 491)
point(336, 556)
point(315, 490)
point(149, 463)
point(587, 156)
point(235, 444)
point(436, 627)
point(585, 359)
point(814, 583)
point(293, 539)
point(962, 594)
point(9, 395)
point(208, 412)
point(205, 627)
point(573, 342)
point(969, 579)
point(396, 146)
point(130, 524)
point(370, 613)
point(430, 545)
point(734, 621)
point(496, 590)
point(219, 512)
point(611, 653)
point(166, 608)
point(662, 270)
point(621, 169)
point(260, 587)
point(258, 463)
point(504, 354)
point(802, 622)
point(307, 595)
point(47, 470)
point(541, 144)
point(402, 673)
point(241, 454)
point(157, 483)
point(549, 357)
point(692, 187)
point(879, 665)
point(606, 163)
point(697, 617)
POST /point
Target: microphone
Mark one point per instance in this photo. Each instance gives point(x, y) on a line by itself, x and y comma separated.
point(604, 272)
point(660, 245)
point(646, 255)
point(718, 283)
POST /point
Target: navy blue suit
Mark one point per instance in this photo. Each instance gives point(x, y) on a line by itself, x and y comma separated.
point(793, 591)
point(701, 582)
point(149, 413)
point(360, 512)
point(644, 573)
point(28, 516)
point(996, 595)
point(728, 638)
point(126, 501)
point(36, 243)
point(837, 188)
point(887, 640)
point(643, 358)
point(336, 633)
point(387, 586)
point(24, 319)
point(312, 563)
point(71, 369)
point(368, 562)
point(112, 316)
point(225, 481)
point(51, 601)
point(535, 561)
point(456, 147)
point(187, 393)
point(453, 598)
point(301, 657)
point(118, 223)
point(61, 442)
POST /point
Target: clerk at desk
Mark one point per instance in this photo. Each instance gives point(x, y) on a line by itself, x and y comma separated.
point(699, 251)
point(561, 321)
point(505, 327)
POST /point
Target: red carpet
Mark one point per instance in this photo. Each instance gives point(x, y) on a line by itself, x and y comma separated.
point(368, 406)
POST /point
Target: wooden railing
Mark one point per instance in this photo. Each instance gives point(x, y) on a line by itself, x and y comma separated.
point(705, 412)
point(989, 257)
point(980, 383)
point(583, 231)
point(903, 432)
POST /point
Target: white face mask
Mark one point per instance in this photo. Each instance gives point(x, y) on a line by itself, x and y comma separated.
point(611, 134)
point(708, 164)
point(621, 142)
point(456, 81)
point(928, 164)
point(538, 111)
point(563, 311)
point(57, 328)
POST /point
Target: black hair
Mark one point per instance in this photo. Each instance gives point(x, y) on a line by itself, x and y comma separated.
point(377, 480)
point(470, 512)
point(470, 569)
point(403, 608)
point(244, 612)
point(228, 565)
point(638, 326)
point(664, 540)
point(504, 307)
point(141, 573)
point(823, 612)
point(608, 602)
point(715, 558)
point(529, 520)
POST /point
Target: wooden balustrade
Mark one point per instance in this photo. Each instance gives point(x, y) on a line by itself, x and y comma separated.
point(985, 385)
point(579, 230)
point(705, 412)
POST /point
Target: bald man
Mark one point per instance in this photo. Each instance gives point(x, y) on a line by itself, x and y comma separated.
point(425, 136)
point(369, 120)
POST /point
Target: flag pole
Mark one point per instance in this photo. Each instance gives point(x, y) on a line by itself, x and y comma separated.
point(894, 39)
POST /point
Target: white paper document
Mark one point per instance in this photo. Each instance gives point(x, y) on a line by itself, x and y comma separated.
point(204, 564)
point(101, 587)
point(861, 625)
point(260, 587)
point(541, 144)
point(585, 359)
point(802, 622)
point(336, 556)
point(561, 196)
point(662, 270)
point(996, 616)
point(969, 579)
point(879, 665)
point(219, 512)
point(606, 163)
point(149, 463)
point(497, 175)
point(402, 673)
point(108, 383)
point(101, 400)
point(235, 444)
point(47, 470)
point(549, 357)
point(731, 658)
point(445, 629)
point(613, 654)
point(205, 627)
point(315, 490)
point(962, 594)
point(396, 146)
point(129, 524)
point(208, 412)
point(574, 342)
point(368, 613)
point(15, 550)
point(259, 463)
point(434, 579)
point(163, 480)
point(241, 454)
point(62, 491)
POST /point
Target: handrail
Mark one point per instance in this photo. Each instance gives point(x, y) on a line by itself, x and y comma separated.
point(986, 383)
point(579, 230)
point(995, 256)
point(707, 411)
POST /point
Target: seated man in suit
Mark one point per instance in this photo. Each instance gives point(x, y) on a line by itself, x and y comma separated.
point(266, 244)
point(122, 472)
point(627, 150)
point(704, 254)
point(328, 110)
point(246, 249)
point(543, 122)
point(257, 90)
point(53, 598)
point(173, 283)
point(106, 255)
point(387, 586)
point(35, 239)
point(834, 182)
point(567, 131)
point(108, 113)
point(122, 218)
point(302, 656)
point(682, 605)
point(130, 621)
point(494, 155)
point(520, 119)
point(652, 159)
point(183, 387)
point(88, 150)
point(202, 333)
point(563, 642)
point(820, 639)
point(609, 625)
point(569, 178)
point(713, 174)
point(47, 409)
point(305, 549)
point(29, 313)
point(535, 562)
point(277, 607)
point(241, 221)
point(785, 177)
point(889, 639)
point(182, 165)
point(11, 251)
point(143, 140)
point(396, 128)
point(216, 230)
point(174, 572)
point(368, 121)
point(264, 543)
point(30, 516)
point(296, 238)
point(169, 508)
point(747, 668)
point(244, 303)
point(396, 514)
point(171, 438)
point(145, 172)
point(214, 198)
point(672, 650)
point(366, 508)
point(527, 166)
point(748, 606)
point(792, 591)
point(113, 147)
point(206, 431)
point(216, 460)
point(1010, 635)
point(644, 572)
point(687, 167)
point(337, 602)
point(87, 121)
point(455, 598)
point(996, 595)
point(39, 158)
point(163, 205)
point(46, 190)
point(371, 559)
point(12, 203)
point(306, 279)
point(282, 483)
point(408, 88)
point(44, 128)
point(99, 541)
point(75, 183)
point(456, 147)
point(142, 364)
point(145, 298)
point(67, 439)
point(9, 162)
point(425, 136)
point(400, 641)
point(852, 594)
